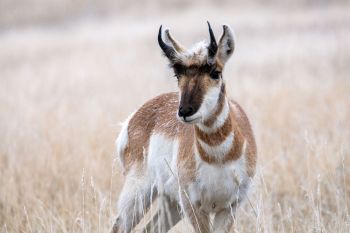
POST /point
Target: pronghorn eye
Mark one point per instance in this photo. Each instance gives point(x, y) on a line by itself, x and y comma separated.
point(215, 74)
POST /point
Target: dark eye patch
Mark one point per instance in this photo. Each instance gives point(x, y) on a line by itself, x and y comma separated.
point(215, 74)
point(193, 70)
point(179, 69)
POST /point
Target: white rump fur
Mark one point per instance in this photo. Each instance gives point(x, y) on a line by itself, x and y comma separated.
point(122, 139)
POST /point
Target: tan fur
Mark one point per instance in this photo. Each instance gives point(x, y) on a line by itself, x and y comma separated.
point(243, 125)
point(159, 116)
point(216, 138)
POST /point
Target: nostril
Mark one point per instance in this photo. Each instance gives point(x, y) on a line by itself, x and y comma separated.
point(189, 111)
point(181, 111)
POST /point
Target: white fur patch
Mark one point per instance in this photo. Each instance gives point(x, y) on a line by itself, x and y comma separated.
point(162, 160)
point(220, 120)
point(198, 54)
point(207, 107)
point(210, 102)
point(220, 150)
point(122, 139)
point(219, 186)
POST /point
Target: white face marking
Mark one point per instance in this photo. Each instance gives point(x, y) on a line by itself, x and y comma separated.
point(220, 150)
point(209, 103)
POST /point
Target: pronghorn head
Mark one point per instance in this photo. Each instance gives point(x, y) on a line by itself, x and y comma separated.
point(199, 73)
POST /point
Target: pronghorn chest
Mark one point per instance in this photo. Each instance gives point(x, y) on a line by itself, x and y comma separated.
point(218, 186)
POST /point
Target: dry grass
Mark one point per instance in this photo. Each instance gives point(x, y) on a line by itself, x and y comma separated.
point(64, 88)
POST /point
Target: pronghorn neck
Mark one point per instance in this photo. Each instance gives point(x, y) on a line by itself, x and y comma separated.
point(215, 139)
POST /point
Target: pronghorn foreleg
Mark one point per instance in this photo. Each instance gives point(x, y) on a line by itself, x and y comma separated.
point(223, 220)
point(198, 218)
point(168, 215)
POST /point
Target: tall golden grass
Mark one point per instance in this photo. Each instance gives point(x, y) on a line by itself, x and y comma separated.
point(64, 88)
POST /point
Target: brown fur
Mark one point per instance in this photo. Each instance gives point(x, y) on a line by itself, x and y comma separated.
point(235, 151)
point(192, 91)
point(155, 115)
point(159, 116)
point(216, 138)
point(244, 127)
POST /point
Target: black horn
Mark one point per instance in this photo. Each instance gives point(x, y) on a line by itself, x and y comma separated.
point(168, 50)
point(213, 47)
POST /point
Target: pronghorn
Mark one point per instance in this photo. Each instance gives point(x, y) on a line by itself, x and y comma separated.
point(194, 148)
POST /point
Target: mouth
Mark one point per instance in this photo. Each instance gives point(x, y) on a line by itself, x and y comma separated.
point(189, 121)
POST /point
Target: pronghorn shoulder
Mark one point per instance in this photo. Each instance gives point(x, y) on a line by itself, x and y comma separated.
point(157, 114)
point(239, 116)
point(245, 129)
point(154, 110)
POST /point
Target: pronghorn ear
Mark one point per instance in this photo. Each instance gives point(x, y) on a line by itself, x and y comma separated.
point(170, 46)
point(170, 40)
point(226, 45)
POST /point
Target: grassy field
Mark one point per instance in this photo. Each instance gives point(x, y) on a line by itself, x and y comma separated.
point(65, 87)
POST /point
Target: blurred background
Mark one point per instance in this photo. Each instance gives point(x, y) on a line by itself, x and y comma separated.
point(71, 71)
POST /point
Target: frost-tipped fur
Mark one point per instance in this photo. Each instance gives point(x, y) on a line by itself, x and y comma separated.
point(193, 149)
